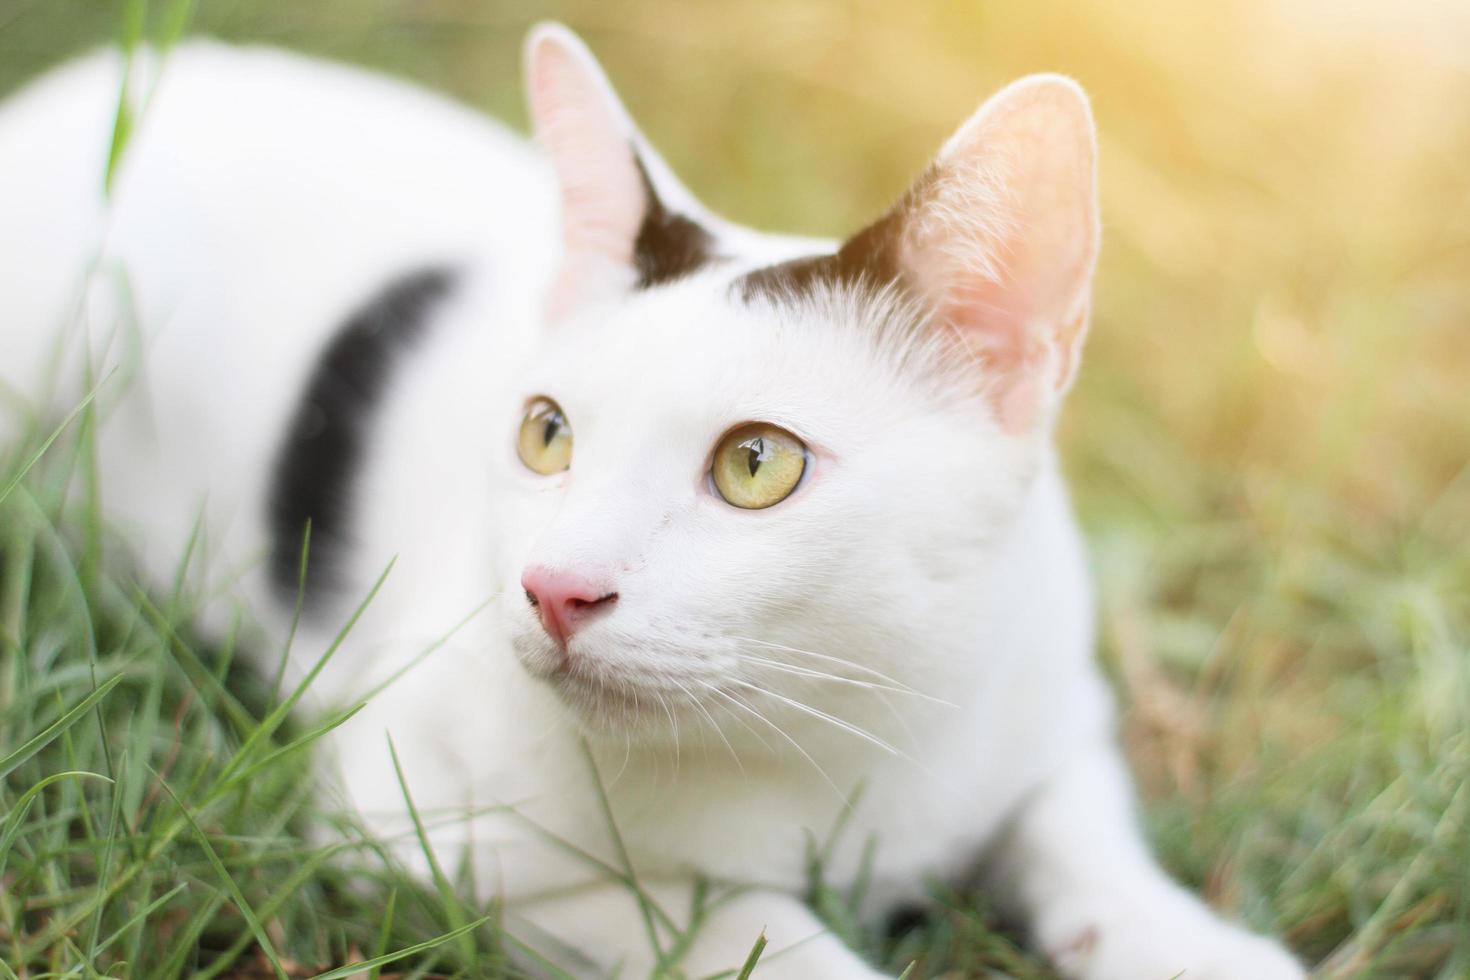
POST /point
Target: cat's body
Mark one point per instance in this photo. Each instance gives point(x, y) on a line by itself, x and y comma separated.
point(910, 630)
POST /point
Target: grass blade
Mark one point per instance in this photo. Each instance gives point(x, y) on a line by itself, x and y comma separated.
point(16, 818)
point(230, 884)
point(646, 906)
point(34, 458)
point(10, 762)
point(377, 961)
point(446, 892)
point(140, 916)
point(272, 721)
point(753, 958)
point(384, 930)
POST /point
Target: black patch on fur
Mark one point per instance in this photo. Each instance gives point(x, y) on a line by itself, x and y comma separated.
point(328, 433)
point(869, 259)
point(669, 245)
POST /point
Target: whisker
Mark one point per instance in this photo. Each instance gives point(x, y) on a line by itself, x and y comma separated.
point(899, 716)
point(699, 706)
point(674, 724)
point(778, 730)
point(741, 721)
point(824, 675)
point(831, 659)
point(627, 739)
point(830, 719)
point(881, 691)
point(627, 757)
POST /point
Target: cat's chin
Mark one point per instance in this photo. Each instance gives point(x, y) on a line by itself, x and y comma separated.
point(602, 707)
point(599, 702)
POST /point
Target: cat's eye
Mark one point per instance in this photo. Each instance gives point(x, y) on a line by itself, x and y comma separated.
point(758, 465)
point(545, 440)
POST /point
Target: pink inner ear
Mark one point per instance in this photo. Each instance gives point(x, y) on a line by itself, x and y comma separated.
point(1004, 238)
point(578, 121)
point(1014, 358)
point(1028, 351)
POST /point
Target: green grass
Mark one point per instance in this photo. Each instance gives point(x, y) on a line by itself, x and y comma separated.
point(156, 800)
point(1269, 445)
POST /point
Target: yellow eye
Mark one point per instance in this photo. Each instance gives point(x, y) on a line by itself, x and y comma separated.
point(545, 442)
point(758, 465)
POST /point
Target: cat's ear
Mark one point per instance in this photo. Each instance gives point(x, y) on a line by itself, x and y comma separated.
point(617, 230)
point(1001, 237)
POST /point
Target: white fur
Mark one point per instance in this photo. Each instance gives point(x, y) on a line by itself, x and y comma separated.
point(929, 562)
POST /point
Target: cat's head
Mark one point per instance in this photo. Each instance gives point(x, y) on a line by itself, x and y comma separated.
point(759, 480)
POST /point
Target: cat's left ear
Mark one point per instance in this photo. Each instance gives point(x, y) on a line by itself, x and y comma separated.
point(618, 231)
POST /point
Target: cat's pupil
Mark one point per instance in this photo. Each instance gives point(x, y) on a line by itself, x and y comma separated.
point(757, 451)
point(553, 426)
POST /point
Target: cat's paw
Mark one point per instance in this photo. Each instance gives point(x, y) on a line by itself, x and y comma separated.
point(1193, 946)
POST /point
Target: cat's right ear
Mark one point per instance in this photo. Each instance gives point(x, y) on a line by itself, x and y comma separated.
point(592, 142)
point(1001, 238)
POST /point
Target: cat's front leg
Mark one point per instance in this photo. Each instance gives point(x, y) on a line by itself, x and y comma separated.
point(603, 932)
point(1097, 903)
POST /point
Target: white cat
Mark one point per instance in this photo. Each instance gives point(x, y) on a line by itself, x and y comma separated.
point(774, 526)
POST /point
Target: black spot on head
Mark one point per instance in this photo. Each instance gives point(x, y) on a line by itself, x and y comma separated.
point(327, 436)
point(669, 245)
point(868, 259)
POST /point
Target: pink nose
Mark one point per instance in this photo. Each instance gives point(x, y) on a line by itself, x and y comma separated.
point(564, 599)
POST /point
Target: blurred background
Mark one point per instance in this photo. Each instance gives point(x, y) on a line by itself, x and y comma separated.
point(1270, 439)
